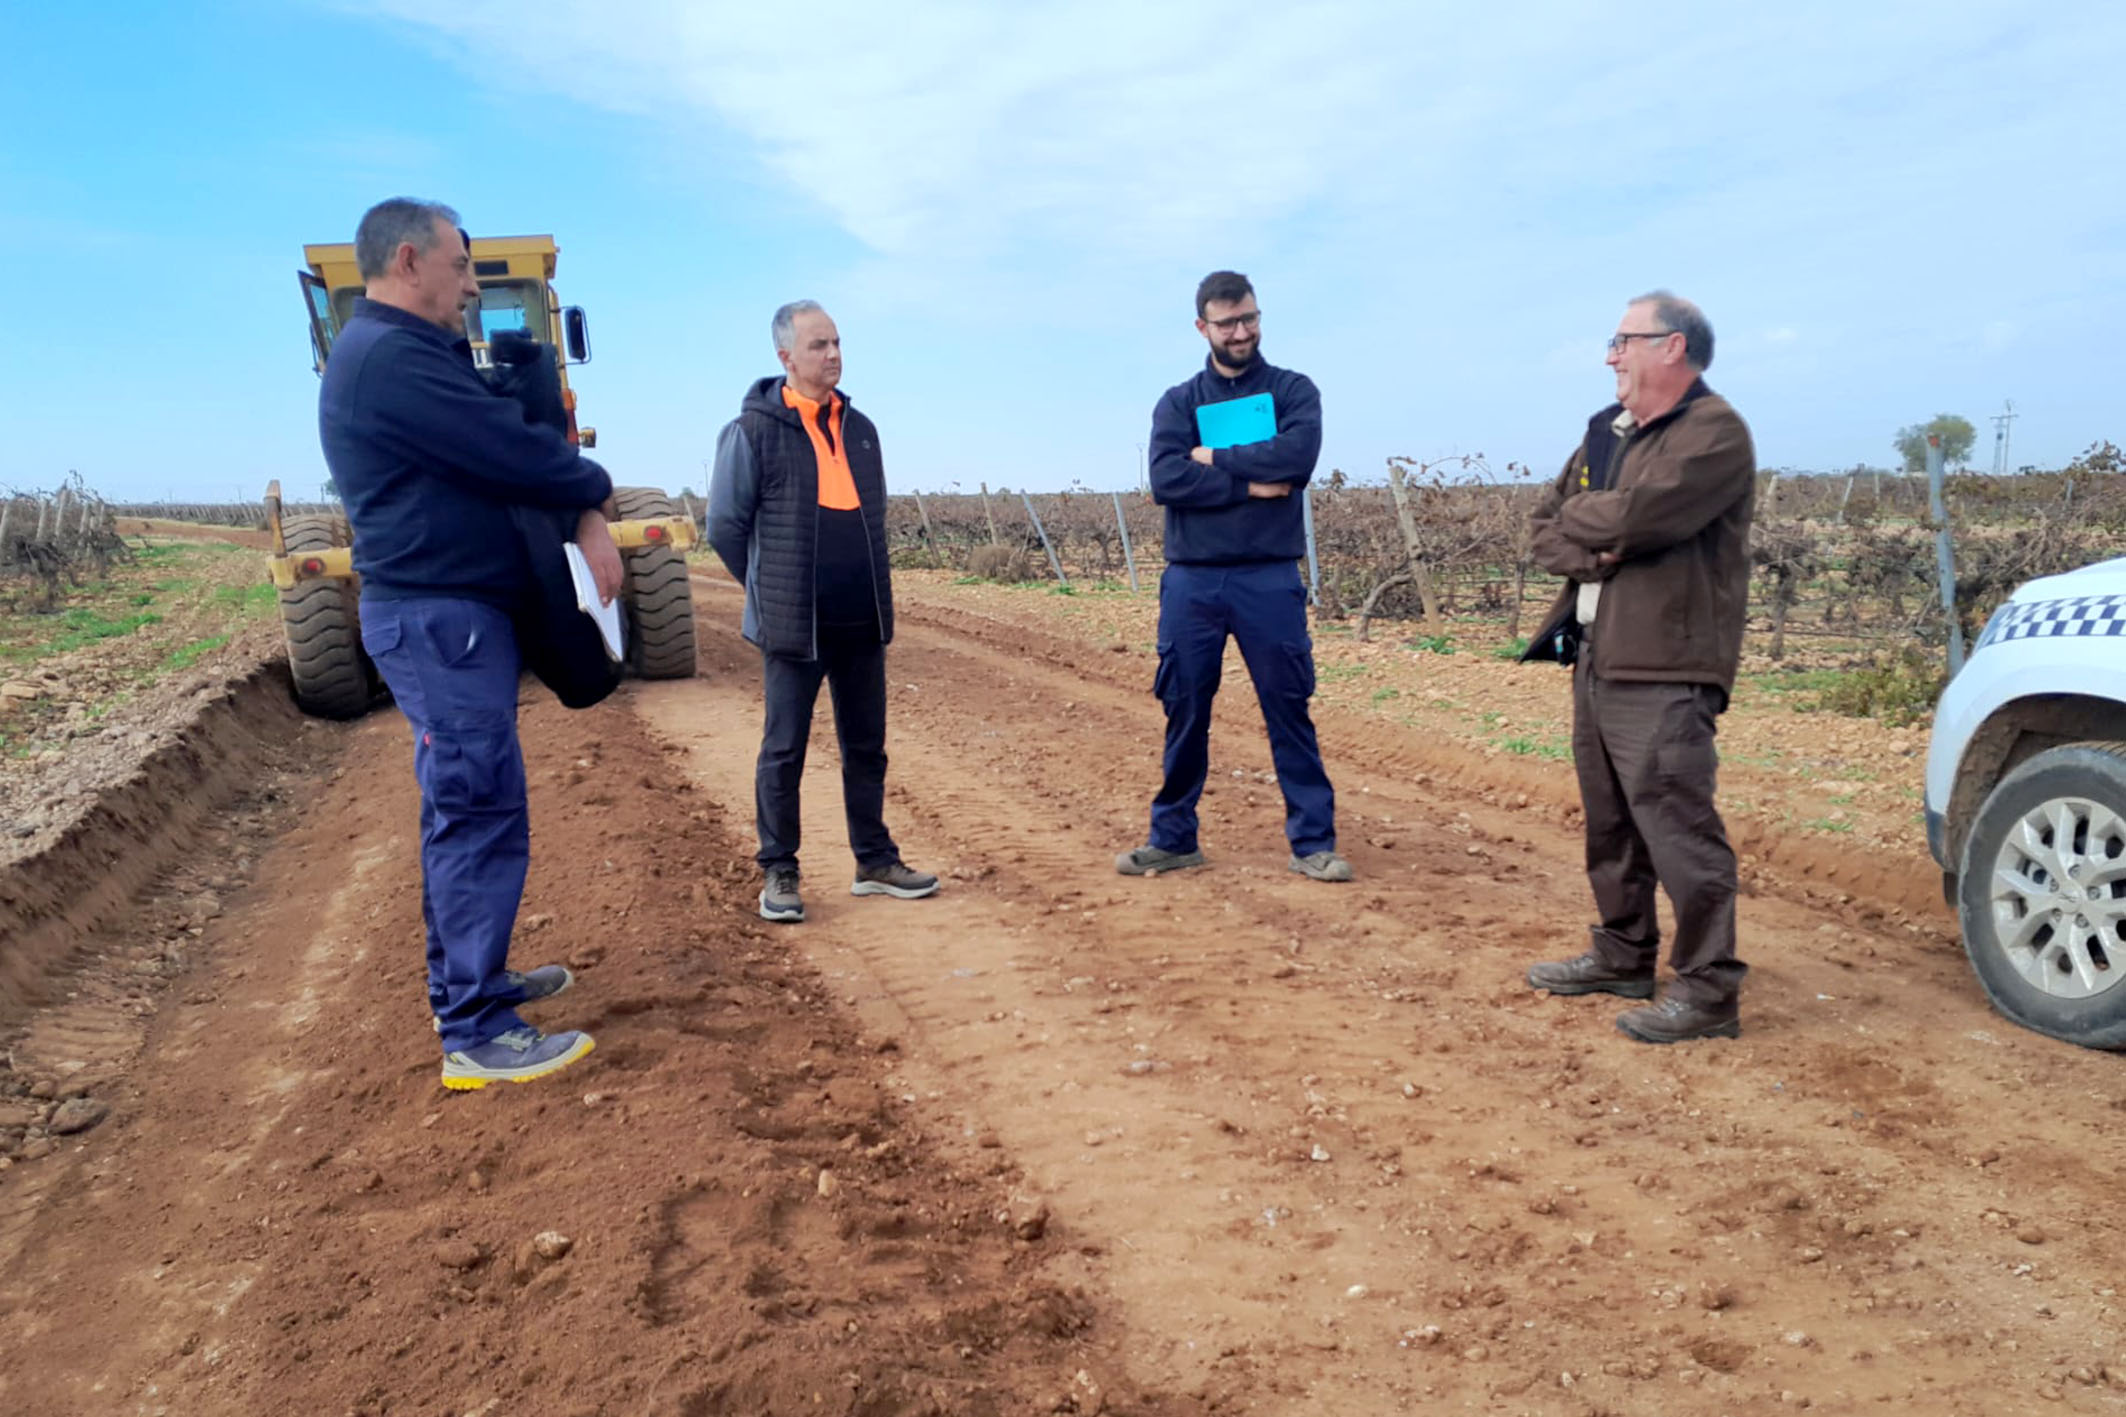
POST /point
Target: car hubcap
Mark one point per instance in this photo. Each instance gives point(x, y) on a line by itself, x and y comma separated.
point(2067, 840)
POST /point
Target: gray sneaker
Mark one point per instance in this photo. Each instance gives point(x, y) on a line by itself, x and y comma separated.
point(899, 881)
point(1322, 866)
point(517, 1056)
point(541, 983)
point(1144, 860)
point(779, 900)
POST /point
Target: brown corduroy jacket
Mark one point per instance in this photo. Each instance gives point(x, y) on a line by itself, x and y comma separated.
point(1676, 513)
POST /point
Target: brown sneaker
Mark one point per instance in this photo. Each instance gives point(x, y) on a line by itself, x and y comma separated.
point(1589, 974)
point(1676, 1020)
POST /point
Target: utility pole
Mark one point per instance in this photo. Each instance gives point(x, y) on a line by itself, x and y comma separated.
point(2003, 436)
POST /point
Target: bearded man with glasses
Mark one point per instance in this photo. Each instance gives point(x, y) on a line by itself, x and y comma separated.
point(1649, 524)
point(1230, 448)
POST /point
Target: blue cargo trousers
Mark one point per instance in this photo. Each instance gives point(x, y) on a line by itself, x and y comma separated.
point(453, 664)
point(1263, 605)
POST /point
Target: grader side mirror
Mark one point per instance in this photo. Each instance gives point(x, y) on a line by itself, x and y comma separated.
point(576, 334)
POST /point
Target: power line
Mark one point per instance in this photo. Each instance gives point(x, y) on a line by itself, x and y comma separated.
point(2003, 434)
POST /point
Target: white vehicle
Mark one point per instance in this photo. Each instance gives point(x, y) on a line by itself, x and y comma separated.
point(2026, 805)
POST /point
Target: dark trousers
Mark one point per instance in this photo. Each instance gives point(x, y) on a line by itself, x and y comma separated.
point(853, 664)
point(1647, 764)
point(1264, 607)
point(453, 666)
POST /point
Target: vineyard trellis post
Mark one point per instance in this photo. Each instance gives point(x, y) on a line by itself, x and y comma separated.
point(1944, 554)
point(989, 512)
point(1054, 563)
point(1413, 544)
point(1306, 517)
point(929, 537)
point(1852, 478)
point(1129, 557)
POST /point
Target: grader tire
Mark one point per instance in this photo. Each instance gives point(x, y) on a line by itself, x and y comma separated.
point(660, 603)
point(333, 677)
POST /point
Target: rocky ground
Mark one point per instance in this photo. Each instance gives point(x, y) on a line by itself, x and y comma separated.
point(1054, 1141)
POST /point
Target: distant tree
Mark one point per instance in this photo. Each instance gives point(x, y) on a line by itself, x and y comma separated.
point(1957, 436)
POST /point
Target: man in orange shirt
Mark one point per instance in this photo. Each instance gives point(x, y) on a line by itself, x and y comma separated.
point(797, 511)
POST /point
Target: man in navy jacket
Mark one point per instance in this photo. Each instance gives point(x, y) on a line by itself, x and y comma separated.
point(429, 461)
point(1234, 534)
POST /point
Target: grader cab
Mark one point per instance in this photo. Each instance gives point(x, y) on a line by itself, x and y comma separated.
point(311, 558)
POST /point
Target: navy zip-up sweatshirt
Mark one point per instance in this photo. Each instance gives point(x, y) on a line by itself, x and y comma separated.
point(1210, 519)
point(428, 461)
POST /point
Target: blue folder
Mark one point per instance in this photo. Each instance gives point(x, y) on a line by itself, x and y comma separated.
point(1237, 421)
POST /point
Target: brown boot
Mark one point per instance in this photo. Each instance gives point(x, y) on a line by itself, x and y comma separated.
point(1589, 974)
point(1675, 1020)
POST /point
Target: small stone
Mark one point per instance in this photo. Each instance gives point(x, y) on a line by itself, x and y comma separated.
point(1031, 1224)
point(2031, 1235)
point(587, 957)
point(458, 1254)
point(44, 1089)
point(1357, 1291)
point(828, 1185)
point(1810, 1254)
point(39, 1149)
point(77, 1114)
point(535, 923)
point(476, 1182)
point(2051, 1392)
point(1319, 1153)
point(1475, 1353)
point(989, 1141)
point(17, 689)
point(1795, 1338)
point(552, 1244)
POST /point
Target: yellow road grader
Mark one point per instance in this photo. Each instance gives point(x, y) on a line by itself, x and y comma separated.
point(311, 559)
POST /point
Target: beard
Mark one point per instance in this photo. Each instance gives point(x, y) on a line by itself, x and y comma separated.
point(1239, 355)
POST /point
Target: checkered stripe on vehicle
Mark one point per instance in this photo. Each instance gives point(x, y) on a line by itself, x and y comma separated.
point(2076, 615)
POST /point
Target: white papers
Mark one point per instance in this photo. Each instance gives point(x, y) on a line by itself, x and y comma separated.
point(605, 617)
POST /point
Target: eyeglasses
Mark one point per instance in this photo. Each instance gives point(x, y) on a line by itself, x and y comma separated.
point(1249, 321)
point(1618, 341)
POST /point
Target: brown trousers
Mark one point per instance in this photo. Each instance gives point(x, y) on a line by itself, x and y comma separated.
point(1646, 763)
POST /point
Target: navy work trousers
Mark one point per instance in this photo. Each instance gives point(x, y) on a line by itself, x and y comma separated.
point(452, 665)
point(852, 664)
point(1263, 605)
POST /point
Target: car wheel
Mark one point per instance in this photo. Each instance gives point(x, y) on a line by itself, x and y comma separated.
point(2042, 894)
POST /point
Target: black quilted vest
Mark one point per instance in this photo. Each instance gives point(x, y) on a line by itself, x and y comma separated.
point(786, 526)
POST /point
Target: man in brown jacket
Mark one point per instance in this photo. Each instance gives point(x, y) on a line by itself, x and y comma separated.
point(1649, 523)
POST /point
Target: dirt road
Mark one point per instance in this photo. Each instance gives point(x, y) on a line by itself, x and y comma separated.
point(1300, 1148)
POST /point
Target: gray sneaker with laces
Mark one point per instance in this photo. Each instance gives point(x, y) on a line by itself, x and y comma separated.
point(1145, 860)
point(899, 881)
point(541, 983)
point(517, 1056)
point(1322, 866)
point(779, 900)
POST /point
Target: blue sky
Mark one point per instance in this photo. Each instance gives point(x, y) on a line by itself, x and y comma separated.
point(1888, 211)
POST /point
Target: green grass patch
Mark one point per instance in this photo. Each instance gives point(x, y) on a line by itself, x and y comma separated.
point(1512, 649)
point(1385, 693)
point(1432, 644)
point(1338, 673)
point(1554, 749)
point(260, 599)
point(185, 656)
point(1826, 824)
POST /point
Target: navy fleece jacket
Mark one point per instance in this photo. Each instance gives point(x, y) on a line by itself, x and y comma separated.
point(428, 461)
point(1210, 519)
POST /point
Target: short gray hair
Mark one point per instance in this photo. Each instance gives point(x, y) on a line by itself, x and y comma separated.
point(1679, 317)
point(784, 325)
point(394, 221)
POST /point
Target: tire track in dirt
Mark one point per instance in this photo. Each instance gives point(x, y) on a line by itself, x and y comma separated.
point(1826, 1210)
point(286, 1213)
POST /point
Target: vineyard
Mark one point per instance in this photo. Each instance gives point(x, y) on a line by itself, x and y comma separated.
point(1845, 560)
point(50, 540)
